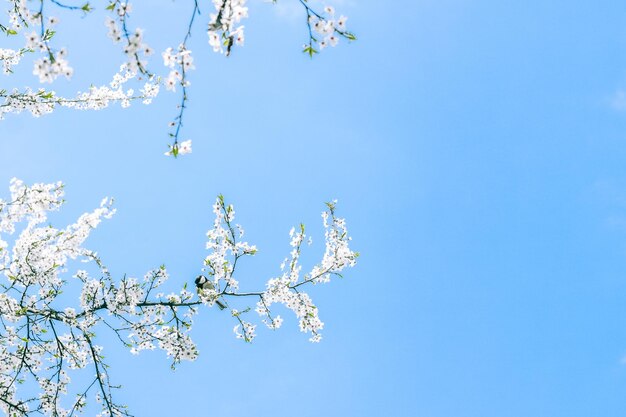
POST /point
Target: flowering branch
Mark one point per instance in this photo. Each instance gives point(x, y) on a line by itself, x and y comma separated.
point(43, 340)
point(223, 27)
point(324, 24)
point(184, 61)
point(96, 98)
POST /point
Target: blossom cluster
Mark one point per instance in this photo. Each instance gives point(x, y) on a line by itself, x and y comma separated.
point(245, 330)
point(227, 248)
point(328, 27)
point(51, 65)
point(224, 31)
point(179, 63)
point(42, 102)
point(19, 14)
point(135, 48)
point(10, 58)
point(286, 288)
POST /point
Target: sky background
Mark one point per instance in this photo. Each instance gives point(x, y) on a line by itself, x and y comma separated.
point(478, 153)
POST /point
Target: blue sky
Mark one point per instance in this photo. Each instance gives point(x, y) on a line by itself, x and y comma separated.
point(477, 151)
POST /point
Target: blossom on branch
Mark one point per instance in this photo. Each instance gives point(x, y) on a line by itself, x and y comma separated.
point(96, 98)
point(223, 32)
point(33, 23)
point(43, 340)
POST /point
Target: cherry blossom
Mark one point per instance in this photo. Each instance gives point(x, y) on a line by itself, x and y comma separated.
point(43, 101)
point(46, 338)
point(36, 24)
point(224, 31)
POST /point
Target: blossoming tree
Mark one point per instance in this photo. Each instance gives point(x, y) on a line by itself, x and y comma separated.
point(45, 335)
point(52, 313)
point(34, 20)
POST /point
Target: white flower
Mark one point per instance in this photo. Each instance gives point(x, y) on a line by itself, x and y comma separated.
point(222, 25)
point(184, 147)
point(341, 23)
point(32, 40)
point(170, 83)
point(169, 59)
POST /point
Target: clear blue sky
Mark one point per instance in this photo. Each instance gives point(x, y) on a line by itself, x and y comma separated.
point(478, 152)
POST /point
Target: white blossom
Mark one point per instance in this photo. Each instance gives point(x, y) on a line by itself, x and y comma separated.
point(43, 102)
point(37, 29)
point(224, 31)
